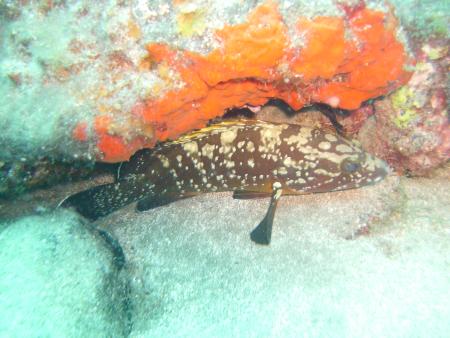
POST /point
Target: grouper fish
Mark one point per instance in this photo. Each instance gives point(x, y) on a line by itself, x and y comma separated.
point(252, 158)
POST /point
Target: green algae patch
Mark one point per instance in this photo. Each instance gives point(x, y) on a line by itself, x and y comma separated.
point(403, 100)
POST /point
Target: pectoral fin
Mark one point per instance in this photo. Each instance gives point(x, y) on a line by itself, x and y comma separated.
point(263, 232)
point(247, 195)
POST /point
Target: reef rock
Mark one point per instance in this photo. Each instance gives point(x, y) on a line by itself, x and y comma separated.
point(411, 128)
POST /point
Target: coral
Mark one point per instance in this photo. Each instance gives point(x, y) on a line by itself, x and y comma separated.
point(342, 61)
point(411, 130)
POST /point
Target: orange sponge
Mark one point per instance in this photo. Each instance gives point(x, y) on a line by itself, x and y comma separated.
point(339, 61)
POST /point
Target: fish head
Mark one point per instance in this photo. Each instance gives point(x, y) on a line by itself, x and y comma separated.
point(360, 169)
point(345, 165)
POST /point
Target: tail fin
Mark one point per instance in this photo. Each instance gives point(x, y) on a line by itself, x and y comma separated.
point(103, 199)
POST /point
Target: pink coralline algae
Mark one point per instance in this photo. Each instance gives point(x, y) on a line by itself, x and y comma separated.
point(411, 127)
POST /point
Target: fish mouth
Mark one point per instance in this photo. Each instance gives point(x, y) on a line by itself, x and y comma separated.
point(378, 166)
point(384, 167)
point(377, 169)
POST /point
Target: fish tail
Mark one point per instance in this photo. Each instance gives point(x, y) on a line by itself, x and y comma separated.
point(102, 200)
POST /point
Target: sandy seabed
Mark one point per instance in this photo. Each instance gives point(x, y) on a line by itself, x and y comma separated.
point(360, 263)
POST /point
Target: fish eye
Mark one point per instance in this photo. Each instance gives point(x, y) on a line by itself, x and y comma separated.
point(350, 166)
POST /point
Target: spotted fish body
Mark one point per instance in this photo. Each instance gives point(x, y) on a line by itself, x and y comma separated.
point(251, 156)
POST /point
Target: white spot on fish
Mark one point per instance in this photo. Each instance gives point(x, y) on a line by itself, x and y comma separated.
point(190, 147)
point(164, 160)
point(325, 173)
point(229, 164)
point(333, 157)
point(250, 146)
point(325, 145)
point(271, 137)
point(282, 171)
point(208, 150)
point(228, 136)
point(301, 138)
point(343, 148)
point(331, 137)
point(288, 162)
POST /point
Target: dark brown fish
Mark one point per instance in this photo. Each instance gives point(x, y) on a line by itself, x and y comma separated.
point(252, 158)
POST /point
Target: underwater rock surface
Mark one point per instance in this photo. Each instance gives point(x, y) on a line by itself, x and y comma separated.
point(411, 128)
point(58, 280)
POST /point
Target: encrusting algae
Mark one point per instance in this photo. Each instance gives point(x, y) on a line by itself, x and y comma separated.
point(341, 62)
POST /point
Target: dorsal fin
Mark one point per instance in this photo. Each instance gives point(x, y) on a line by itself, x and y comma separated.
point(206, 131)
